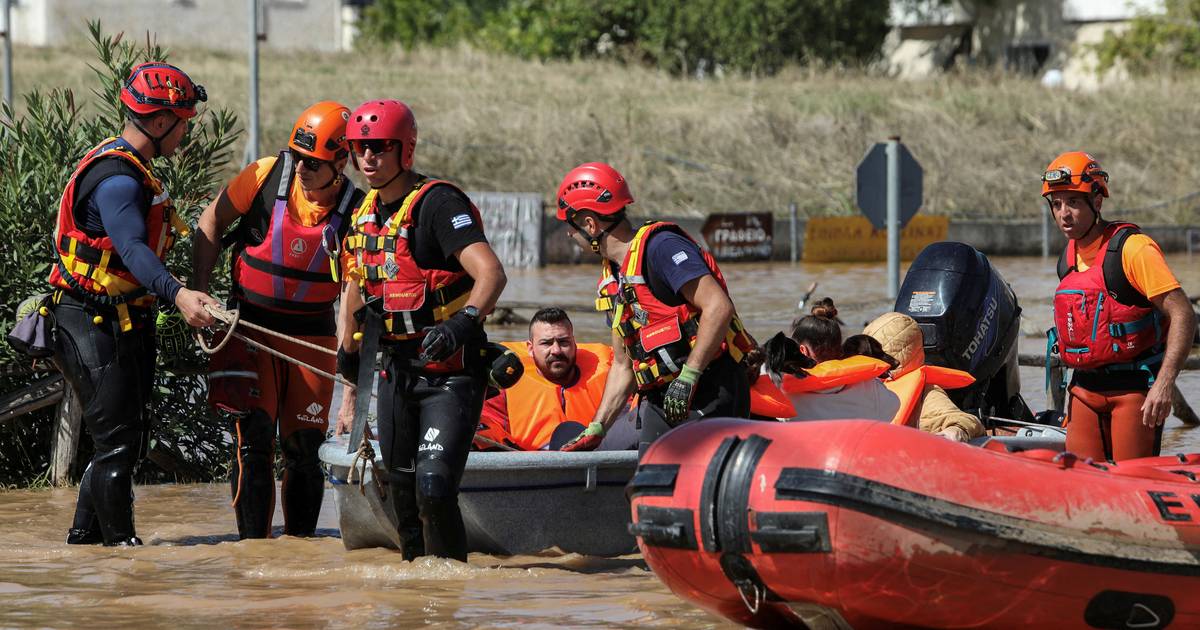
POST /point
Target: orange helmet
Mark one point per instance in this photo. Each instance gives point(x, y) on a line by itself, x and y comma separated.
point(1077, 171)
point(320, 131)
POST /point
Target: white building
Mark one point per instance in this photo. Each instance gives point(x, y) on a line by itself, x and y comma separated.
point(1032, 37)
point(323, 25)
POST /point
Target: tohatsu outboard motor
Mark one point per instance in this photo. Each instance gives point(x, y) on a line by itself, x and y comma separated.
point(970, 320)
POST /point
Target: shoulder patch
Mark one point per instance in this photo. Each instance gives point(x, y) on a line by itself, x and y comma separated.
point(461, 221)
point(679, 257)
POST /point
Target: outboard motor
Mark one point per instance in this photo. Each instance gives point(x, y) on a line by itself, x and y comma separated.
point(970, 320)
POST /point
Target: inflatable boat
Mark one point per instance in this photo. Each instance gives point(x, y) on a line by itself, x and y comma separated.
point(512, 502)
point(852, 523)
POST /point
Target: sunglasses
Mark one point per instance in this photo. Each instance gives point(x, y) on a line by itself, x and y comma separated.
point(375, 146)
point(310, 163)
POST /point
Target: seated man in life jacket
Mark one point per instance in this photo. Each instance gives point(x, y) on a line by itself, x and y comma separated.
point(1121, 321)
point(922, 388)
point(563, 381)
point(834, 386)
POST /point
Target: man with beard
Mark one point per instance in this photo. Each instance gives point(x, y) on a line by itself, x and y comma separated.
point(563, 382)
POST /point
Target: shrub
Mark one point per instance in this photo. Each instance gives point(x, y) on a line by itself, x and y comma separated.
point(1170, 40)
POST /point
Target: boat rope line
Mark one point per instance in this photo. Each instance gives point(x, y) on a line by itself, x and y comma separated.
point(913, 509)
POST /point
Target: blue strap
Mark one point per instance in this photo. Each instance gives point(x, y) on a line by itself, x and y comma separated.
point(1051, 340)
point(1129, 328)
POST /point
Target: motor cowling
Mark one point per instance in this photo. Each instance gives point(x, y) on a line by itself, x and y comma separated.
point(970, 320)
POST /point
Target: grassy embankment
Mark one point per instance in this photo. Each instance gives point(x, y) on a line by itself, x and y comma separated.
point(497, 123)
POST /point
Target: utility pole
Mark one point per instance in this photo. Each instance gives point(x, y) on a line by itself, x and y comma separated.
point(7, 34)
point(893, 216)
point(252, 126)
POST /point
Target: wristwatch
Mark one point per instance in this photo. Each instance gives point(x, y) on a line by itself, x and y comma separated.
point(472, 312)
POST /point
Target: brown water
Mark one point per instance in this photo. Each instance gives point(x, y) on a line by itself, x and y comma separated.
point(193, 572)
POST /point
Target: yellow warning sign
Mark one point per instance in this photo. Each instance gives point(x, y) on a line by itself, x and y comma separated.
point(852, 239)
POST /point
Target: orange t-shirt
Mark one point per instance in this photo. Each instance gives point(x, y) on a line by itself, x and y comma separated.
point(243, 188)
point(1143, 262)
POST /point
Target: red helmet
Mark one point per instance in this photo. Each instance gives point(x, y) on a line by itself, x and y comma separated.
point(155, 86)
point(385, 120)
point(593, 186)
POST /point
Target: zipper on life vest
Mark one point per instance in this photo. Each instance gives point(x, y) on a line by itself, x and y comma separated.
point(1082, 297)
point(1096, 320)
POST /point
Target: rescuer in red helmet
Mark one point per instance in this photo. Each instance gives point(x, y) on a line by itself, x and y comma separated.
point(292, 209)
point(116, 224)
point(420, 277)
point(676, 336)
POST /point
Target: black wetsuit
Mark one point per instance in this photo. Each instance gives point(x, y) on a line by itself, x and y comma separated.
point(427, 421)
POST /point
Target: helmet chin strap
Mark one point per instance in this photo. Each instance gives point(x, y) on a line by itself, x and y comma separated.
point(389, 182)
point(156, 142)
point(1095, 218)
point(594, 241)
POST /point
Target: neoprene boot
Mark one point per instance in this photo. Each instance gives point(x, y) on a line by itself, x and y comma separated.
point(303, 482)
point(85, 529)
point(252, 476)
point(408, 516)
point(441, 519)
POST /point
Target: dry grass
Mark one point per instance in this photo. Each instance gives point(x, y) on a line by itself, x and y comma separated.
point(690, 147)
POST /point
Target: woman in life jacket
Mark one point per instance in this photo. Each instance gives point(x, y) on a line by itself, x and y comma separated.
point(834, 386)
point(1121, 320)
point(921, 388)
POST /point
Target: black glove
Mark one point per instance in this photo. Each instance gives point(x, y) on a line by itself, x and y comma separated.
point(446, 338)
point(505, 367)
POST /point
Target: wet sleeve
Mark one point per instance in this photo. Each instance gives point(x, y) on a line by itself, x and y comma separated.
point(1144, 265)
point(675, 260)
point(122, 207)
point(244, 186)
point(451, 221)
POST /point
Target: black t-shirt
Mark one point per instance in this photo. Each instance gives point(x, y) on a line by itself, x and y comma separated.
point(443, 226)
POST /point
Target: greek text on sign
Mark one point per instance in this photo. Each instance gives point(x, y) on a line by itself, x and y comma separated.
point(740, 236)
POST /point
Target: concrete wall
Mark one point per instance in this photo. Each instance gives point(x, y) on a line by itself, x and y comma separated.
point(991, 238)
point(221, 24)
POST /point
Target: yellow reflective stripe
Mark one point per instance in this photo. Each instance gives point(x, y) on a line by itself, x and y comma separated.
point(443, 313)
point(123, 317)
point(635, 250)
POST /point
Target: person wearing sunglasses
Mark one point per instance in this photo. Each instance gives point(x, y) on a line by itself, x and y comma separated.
point(116, 224)
point(420, 277)
point(289, 208)
point(1121, 320)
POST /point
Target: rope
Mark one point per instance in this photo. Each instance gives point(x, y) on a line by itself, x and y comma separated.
point(366, 455)
point(233, 318)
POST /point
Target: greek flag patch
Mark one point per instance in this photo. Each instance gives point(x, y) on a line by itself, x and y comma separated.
point(679, 257)
point(461, 221)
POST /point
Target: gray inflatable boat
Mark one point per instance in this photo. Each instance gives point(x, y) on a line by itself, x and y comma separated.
point(512, 502)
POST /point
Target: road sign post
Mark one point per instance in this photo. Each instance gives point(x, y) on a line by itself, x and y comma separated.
point(889, 193)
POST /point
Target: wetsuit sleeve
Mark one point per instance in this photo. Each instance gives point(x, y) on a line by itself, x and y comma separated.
point(674, 261)
point(244, 186)
point(122, 207)
point(447, 213)
point(1145, 267)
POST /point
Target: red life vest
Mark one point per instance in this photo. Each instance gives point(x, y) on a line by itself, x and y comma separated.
point(658, 337)
point(411, 298)
point(1100, 321)
point(282, 266)
point(90, 266)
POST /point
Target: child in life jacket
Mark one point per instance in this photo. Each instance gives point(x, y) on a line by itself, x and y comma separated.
point(836, 386)
point(921, 388)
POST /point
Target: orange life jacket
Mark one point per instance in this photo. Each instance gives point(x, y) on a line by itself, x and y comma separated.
point(769, 401)
point(285, 267)
point(90, 265)
point(536, 406)
point(411, 298)
point(910, 388)
point(835, 373)
point(658, 337)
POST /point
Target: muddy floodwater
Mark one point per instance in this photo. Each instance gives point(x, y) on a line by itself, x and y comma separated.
point(193, 573)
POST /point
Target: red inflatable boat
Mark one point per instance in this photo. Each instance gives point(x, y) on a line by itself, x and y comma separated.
point(864, 524)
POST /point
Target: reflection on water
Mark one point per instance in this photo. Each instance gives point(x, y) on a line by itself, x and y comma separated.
point(193, 573)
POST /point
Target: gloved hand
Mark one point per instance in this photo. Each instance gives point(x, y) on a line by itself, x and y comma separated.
point(446, 338)
point(678, 399)
point(588, 440)
point(506, 367)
